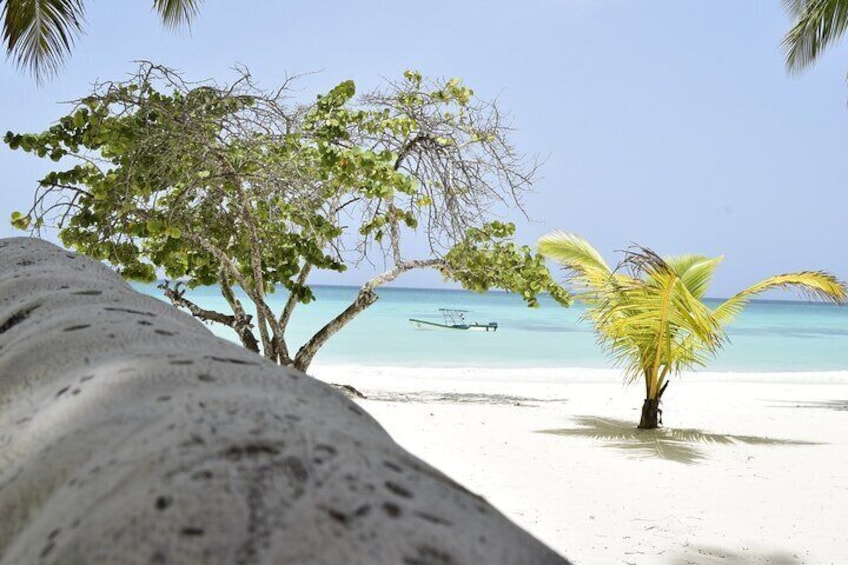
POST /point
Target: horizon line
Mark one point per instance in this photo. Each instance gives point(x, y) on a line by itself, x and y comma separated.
point(799, 300)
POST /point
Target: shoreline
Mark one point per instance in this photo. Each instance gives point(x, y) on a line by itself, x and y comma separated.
point(748, 468)
point(396, 375)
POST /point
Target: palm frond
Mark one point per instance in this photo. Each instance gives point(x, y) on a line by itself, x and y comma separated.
point(682, 263)
point(591, 276)
point(664, 320)
point(176, 13)
point(654, 322)
point(695, 272)
point(571, 250)
point(818, 24)
point(813, 285)
point(39, 34)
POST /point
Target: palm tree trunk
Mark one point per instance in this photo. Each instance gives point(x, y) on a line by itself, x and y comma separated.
point(651, 413)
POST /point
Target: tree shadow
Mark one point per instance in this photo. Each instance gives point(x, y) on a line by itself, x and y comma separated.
point(461, 398)
point(711, 555)
point(837, 405)
point(679, 445)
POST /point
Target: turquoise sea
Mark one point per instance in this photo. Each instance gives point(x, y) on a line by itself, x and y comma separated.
point(768, 336)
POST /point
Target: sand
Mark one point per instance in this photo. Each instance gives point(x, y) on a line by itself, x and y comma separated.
point(748, 468)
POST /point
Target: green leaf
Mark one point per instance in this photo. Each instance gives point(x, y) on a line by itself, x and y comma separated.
point(155, 227)
point(20, 221)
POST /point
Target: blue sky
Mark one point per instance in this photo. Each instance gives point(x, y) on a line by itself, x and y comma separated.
point(670, 124)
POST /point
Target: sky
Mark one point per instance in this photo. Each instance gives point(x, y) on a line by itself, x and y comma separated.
point(674, 125)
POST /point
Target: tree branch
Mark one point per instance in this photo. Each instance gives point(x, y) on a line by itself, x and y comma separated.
point(255, 256)
point(364, 298)
point(245, 332)
point(305, 354)
point(240, 324)
point(258, 301)
point(394, 233)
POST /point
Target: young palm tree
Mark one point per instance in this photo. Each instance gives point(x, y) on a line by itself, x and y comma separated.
point(39, 34)
point(649, 312)
point(818, 23)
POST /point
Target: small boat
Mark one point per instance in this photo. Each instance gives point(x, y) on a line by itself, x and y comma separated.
point(455, 319)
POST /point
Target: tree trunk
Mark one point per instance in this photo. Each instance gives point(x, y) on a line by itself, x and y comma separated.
point(650, 414)
point(305, 354)
point(365, 298)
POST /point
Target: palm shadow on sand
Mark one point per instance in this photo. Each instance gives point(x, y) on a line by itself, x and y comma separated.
point(680, 445)
point(461, 398)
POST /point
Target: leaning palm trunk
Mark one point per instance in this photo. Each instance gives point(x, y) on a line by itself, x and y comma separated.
point(649, 312)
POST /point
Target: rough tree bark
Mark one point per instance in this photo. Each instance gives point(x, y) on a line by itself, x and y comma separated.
point(651, 412)
point(129, 434)
point(240, 323)
point(364, 298)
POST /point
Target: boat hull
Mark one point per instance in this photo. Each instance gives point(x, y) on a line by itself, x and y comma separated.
point(490, 327)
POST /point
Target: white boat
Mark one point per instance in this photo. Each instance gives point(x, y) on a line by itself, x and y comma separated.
point(455, 319)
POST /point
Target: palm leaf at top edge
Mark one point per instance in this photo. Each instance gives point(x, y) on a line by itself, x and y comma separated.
point(39, 34)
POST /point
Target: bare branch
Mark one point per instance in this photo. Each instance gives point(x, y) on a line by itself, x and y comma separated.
point(240, 324)
point(364, 298)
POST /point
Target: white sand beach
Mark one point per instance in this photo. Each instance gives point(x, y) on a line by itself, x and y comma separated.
point(748, 468)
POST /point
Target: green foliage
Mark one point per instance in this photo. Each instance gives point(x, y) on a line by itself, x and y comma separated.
point(486, 259)
point(20, 221)
point(230, 185)
point(166, 189)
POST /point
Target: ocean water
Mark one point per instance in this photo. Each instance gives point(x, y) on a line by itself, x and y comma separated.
point(769, 336)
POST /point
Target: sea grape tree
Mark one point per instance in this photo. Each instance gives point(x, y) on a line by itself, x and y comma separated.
point(243, 188)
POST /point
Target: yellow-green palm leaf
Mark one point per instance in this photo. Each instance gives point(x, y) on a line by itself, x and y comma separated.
point(653, 324)
point(695, 272)
point(811, 284)
point(590, 273)
point(573, 252)
point(653, 320)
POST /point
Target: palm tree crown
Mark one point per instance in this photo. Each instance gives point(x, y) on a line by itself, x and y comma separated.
point(818, 24)
point(39, 34)
point(649, 312)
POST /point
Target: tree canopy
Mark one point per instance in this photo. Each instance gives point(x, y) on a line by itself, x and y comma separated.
point(235, 186)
